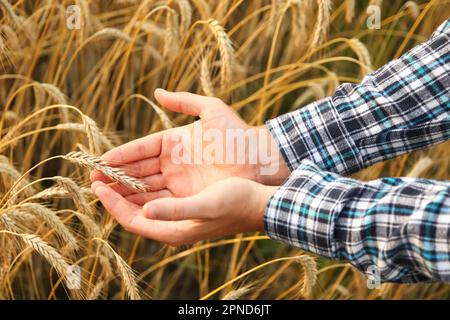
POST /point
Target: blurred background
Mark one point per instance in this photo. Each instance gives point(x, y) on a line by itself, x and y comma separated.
point(64, 61)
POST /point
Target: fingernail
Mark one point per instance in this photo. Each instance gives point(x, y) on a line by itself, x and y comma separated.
point(95, 185)
point(99, 190)
point(149, 210)
point(160, 91)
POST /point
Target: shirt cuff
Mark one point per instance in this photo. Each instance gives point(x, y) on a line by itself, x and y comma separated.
point(301, 211)
point(316, 132)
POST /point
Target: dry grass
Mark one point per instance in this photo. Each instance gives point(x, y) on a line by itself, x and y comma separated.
point(91, 89)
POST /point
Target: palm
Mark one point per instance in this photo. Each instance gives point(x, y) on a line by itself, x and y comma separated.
point(186, 179)
point(150, 158)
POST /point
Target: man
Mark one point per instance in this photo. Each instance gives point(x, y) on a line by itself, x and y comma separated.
point(399, 225)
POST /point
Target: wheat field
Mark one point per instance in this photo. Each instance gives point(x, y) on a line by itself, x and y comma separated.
point(68, 95)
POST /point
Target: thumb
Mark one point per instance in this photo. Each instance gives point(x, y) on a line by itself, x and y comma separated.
point(184, 102)
point(175, 209)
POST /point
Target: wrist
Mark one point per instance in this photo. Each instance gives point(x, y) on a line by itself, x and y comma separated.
point(262, 195)
point(271, 168)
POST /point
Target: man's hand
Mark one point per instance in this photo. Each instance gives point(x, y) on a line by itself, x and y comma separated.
point(230, 206)
point(151, 158)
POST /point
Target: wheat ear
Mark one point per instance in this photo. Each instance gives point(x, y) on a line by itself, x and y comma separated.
point(126, 273)
point(226, 51)
point(115, 174)
point(363, 54)
point(323, 22)
point(76, 193)
point(309, 274)
point(94, 136)
point(52, 220)
point(50, 254)
point(205, 79)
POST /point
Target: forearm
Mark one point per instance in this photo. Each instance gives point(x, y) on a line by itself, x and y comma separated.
point(401, 107)
point(399, 226)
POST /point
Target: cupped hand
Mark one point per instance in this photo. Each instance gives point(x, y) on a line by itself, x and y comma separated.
point(151, 158)
point(216, 211)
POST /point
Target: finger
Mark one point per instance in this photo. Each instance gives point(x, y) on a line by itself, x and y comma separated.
point(137, 169)
point(176, 209)
point(96, 175)
point(139, 149)
point(184, 102)
point(130, 217)
point(143, 168)
point(142, 198)
point(155, 182)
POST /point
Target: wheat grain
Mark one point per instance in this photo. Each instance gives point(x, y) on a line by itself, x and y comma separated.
point(115, 174)
point(349, 10)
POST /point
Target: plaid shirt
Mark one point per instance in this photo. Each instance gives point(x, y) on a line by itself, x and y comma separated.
point(396, 227)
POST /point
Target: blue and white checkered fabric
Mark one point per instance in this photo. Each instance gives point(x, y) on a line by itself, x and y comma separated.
point(399, 225)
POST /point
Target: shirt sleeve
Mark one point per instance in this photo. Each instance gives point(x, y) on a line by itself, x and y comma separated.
point(399, 227)
point(401, 107)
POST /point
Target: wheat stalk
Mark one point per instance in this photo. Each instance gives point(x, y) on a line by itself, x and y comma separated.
point(349, 10)
point(115, 174)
